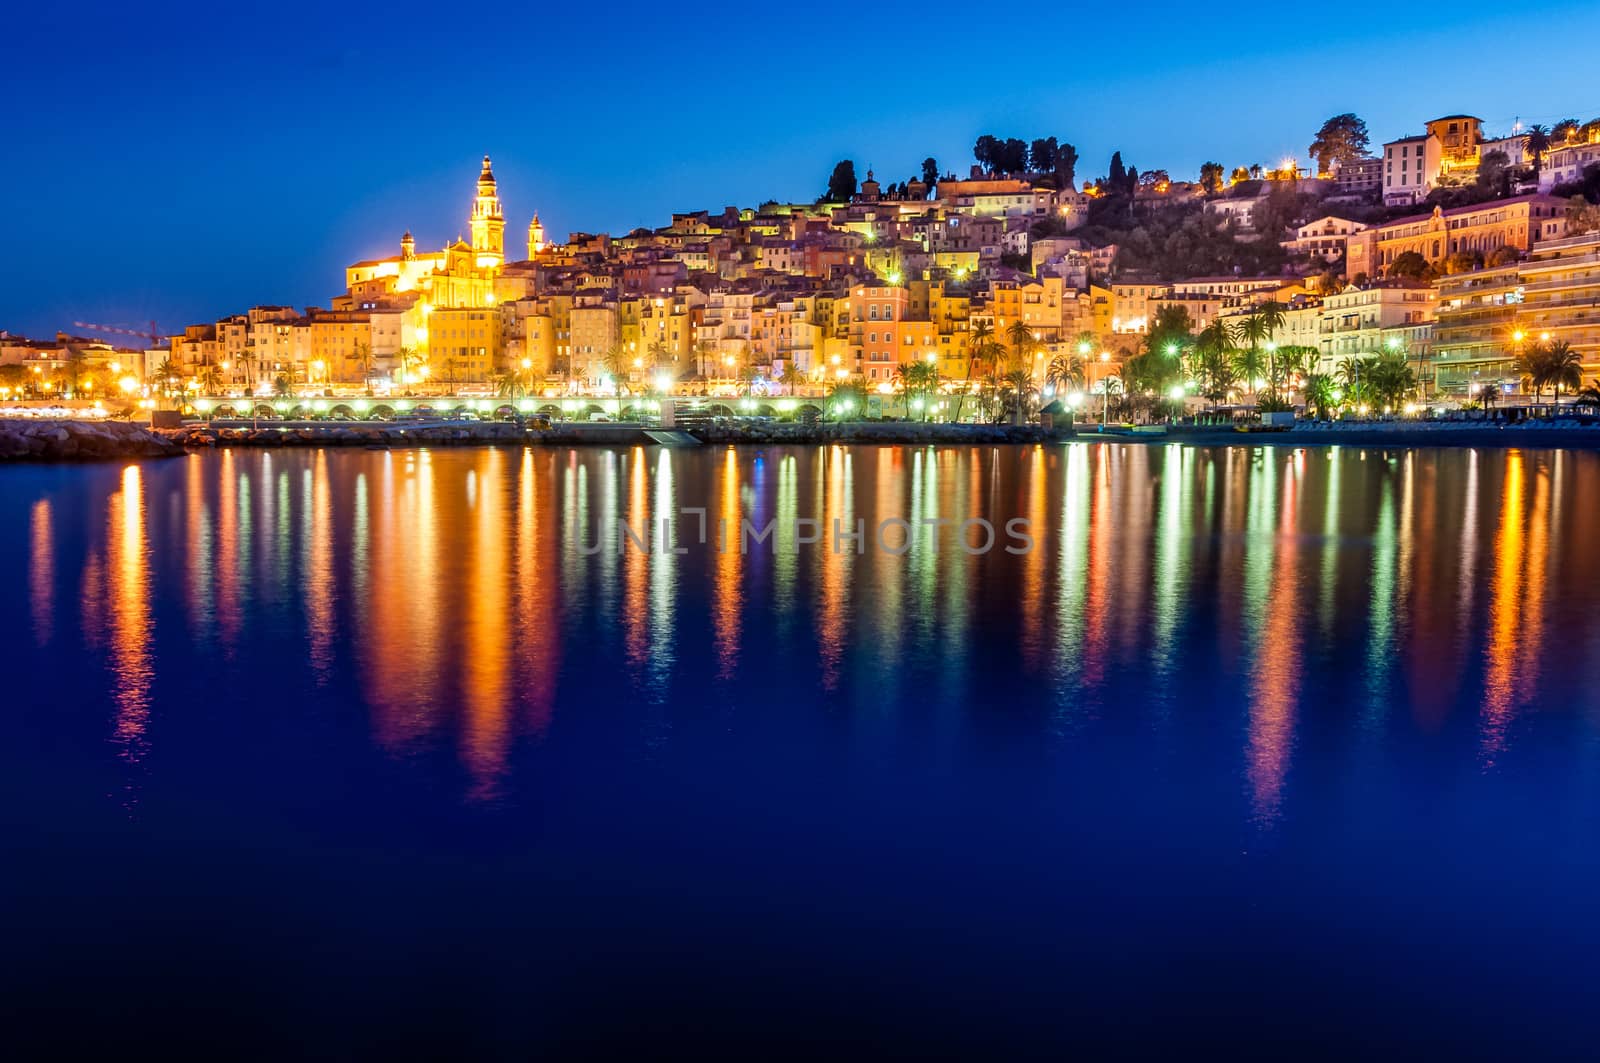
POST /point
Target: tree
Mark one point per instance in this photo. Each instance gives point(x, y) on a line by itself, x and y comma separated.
point(842, 183)
point(986, 152)
point(1538, 144)
point(1066, 371)
point(1533, 366)
point(1341, 140)
point(980, 349)
point(210, 379)
point(411, 362)
point(1117, 178)
point(1319, 394)
point(1239, 174)
point(915, 382)
point(1014, 156)
point(930, 173)
point(793, 377)
point(1154, 179)
point(1410, 265)
point(847, 397)
point(167, 377)
point(1171, 331)
point(12, 378)
point(1564, 366)
point(1494, 173)
point(363, 356)
point(1042, 155)
point(1020, 335)
point(1391, 378)
point(1018, 391)
point(1213, 362)
point(1066, 168)
point(1211, 178)
point(1267, 318)
point(1247, 360)
point(1564, 131)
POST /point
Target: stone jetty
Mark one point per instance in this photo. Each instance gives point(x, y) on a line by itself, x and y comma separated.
point(68, 440)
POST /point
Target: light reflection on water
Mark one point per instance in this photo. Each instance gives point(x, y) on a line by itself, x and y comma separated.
point(448, 591)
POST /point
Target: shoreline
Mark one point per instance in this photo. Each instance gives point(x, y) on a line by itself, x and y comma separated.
point(79, 441)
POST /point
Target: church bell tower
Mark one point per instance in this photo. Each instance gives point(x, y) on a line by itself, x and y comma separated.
point(535, 236)
point(487, 221)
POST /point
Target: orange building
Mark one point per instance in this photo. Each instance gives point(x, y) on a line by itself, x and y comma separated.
point(1519, 223)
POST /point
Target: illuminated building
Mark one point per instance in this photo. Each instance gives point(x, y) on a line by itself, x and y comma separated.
point(1486, 317)
point(1518, 224)
point(464, 345)
point(460, 274)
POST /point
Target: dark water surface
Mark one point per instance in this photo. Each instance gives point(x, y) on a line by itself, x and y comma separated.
point(331, 752)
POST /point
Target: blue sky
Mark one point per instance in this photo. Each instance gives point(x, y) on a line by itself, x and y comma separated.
point(183, 163)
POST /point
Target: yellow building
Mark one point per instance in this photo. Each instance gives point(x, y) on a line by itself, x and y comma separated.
point(464, 346)
point(341, 348)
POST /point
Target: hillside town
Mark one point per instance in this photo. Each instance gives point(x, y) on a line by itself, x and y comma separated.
point(1454, 266)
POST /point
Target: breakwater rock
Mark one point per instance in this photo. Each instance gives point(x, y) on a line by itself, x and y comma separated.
point(869, 432)
point(564, 433)
point(64, 440)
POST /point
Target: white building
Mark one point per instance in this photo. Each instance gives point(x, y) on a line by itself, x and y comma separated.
point(1410, 168)
point(1324, 238)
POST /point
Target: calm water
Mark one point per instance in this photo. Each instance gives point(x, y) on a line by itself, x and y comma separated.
point(360, 751)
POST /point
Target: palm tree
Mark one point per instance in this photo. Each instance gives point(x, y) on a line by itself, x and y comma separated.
point(281, 385)
point(1564, 366)
point(167, 377)
point(1349, 376)
point(1319, 393)
point(1247, 363)
point(1018, 391)
point(1111, 385)
point(1392, 379)
point(793, 377)
point(1590, 396)
point(978, 349)
point(1066, 371)
point(847, 397)
point(210, 379)
point(363, 357)
point(1252, 333)
point(1020, 335)
point(1214, 361)
point(411, 362)
point(917, 379)
point(1538, 144)
point(705, 356)
point(1533, 365)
